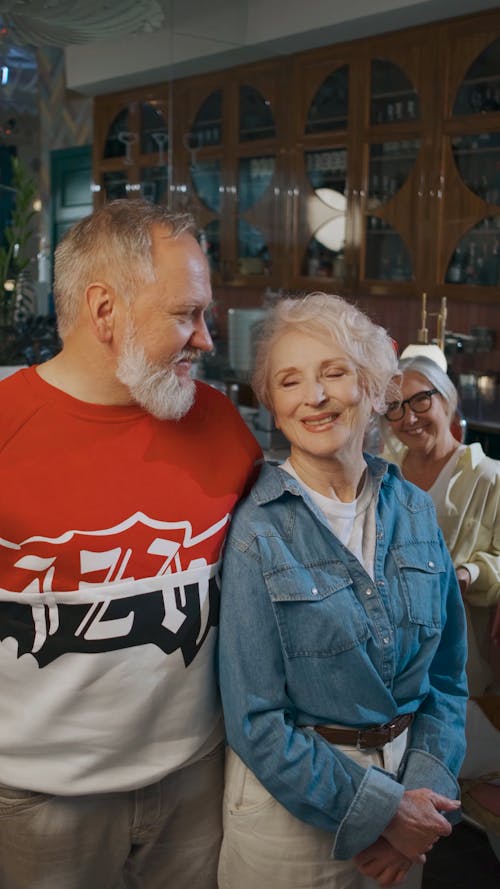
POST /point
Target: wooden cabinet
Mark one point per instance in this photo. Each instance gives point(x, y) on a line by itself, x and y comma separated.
point(362, 151)
point(230, 169)
point(368, 168)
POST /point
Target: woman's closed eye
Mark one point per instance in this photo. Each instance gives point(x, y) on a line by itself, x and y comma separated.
point(334, 374)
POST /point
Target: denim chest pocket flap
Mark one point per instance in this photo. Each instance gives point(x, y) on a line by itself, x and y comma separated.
point(316, 609)
point(420, 568)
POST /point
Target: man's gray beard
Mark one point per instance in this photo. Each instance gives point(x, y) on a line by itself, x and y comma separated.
point(157, 389)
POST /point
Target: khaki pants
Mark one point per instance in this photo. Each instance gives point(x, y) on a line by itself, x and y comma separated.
point(165, 836)
point(265, 847)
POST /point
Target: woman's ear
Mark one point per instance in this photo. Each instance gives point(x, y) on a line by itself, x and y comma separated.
point(101, 304)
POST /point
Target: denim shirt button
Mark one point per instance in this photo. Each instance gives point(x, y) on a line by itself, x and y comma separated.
point(386, 640)
point(314, 591)
point(431, 564)
point(369, 591)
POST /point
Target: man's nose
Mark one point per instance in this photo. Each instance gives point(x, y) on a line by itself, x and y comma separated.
point(201, 338)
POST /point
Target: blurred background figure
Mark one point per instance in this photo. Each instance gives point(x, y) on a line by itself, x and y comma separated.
point(465, 486)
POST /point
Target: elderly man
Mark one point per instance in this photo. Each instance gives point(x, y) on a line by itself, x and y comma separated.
point(118, 475)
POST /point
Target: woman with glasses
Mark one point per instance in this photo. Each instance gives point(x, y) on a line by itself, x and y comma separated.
point(465, 487)
point(342, 633)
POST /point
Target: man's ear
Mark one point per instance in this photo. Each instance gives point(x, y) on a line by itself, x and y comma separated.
point(101, 303)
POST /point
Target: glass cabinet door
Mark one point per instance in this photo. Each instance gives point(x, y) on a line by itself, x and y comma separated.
point(206, 181)
point(471, 235)
point(201, 188)
point(392, 198)
point(320, 196)
point(475, 259)
point(326, 213)
point(131, 148)
point(390, 165)
point(255, 179)
point(232, 176)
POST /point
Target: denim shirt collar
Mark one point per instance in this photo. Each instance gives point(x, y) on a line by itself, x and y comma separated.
point(271, 485)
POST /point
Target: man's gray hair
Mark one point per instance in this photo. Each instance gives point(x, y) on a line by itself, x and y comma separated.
point(113, 244)
point(331, 318)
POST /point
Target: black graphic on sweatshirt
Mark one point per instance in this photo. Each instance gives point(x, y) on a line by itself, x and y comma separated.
point(85, 628)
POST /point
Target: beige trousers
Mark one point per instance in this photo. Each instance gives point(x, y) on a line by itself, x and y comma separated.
point(265, 847)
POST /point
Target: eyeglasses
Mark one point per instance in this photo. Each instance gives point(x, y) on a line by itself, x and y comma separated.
point(418, 404)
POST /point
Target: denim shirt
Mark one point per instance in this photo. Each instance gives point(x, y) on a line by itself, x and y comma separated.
point(306, 637)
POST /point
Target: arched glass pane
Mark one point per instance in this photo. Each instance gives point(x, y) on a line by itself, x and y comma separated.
point(476, 258)
point(478, 161)
point(329, 107)
point(393, 97)
point(480, 91)
point(207, 126)
point(115, 185)
point(253, 252)
point(254, 177)
point(154, 133)
point(387, 257)
point(389, 167)
point(118, 136)
point(207, 182)
point(256, 117)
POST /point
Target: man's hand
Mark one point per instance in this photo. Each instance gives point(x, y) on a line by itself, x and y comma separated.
point(383, 863)
point(417, 824)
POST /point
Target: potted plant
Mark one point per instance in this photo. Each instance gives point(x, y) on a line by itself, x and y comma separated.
point(24, 337)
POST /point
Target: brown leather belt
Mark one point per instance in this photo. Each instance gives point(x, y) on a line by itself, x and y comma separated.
point(375, 736)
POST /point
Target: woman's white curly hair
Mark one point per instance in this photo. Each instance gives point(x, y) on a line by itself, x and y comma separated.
point(331, 318)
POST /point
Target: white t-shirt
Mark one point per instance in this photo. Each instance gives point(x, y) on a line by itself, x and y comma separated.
point(352, 523)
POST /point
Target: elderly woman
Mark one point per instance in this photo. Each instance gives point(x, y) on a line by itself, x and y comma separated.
point(465, 487)
point(342, 646)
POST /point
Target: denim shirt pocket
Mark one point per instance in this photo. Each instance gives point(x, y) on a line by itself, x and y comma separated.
point(317, 612)
point(420, 568)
